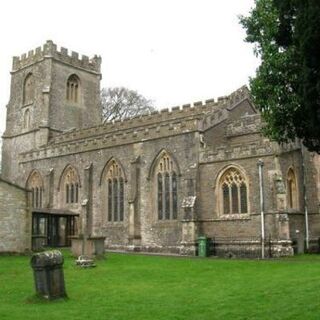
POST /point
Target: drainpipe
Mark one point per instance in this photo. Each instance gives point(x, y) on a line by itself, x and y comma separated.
point(260, 166)
point(305, 199)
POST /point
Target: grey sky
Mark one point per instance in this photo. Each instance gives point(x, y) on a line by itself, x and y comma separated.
point(171, 51)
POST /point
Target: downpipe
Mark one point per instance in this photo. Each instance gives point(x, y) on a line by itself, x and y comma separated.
point(306, 217)
point(260, 167)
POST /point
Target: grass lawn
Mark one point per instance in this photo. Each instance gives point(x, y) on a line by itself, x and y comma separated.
point(149, 287)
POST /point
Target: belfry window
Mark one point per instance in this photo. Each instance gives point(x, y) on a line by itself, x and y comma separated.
point(167, 189)
point(233, 192)
point(71, 183)
point(292, 194)
point(28, 89)
point(73, 89)
point(115, 192)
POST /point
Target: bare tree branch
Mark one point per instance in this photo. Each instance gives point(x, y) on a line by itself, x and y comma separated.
point(120, 103)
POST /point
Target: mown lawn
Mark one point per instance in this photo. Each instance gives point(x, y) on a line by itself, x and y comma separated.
point(149, 287)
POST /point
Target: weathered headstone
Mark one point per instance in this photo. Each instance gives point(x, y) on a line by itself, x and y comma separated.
point(48, 274)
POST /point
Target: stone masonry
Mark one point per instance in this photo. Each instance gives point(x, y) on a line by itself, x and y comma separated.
point(15, 217)
point(212, 149)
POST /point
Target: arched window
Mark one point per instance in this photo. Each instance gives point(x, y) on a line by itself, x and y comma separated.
point(115, 192)
point(233, 192)
point(35, 184)
point(292, 192)
point(73, 89)
point(167, 188)
point(26, 119)
point(28, 89)
point(71, 185)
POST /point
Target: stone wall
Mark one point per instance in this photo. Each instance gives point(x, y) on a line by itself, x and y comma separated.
point(154, 234)
point(49, 110)
point(15, 217)
point(202, 140)
point(50, 49)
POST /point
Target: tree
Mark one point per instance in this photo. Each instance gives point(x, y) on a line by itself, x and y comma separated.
point(286, 88)
point(120, 103)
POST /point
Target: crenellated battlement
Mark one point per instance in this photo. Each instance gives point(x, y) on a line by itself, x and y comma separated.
point(237, 96)
point(259, 148)
point(119, 127)
point(212, 119)
point(210, 111)
point(97, 139)
point(177, 120)
point(177, 114)
point(246, 124)
point(50, 50)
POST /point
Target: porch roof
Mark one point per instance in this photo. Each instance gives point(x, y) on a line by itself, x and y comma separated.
point(56, 212)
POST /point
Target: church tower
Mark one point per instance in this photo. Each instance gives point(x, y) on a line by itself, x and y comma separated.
point(51, 91)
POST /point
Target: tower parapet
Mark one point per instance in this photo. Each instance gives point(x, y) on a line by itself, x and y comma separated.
point(41, 103)
point(50, 50)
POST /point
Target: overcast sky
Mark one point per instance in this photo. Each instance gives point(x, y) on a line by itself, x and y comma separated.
point(171, 51)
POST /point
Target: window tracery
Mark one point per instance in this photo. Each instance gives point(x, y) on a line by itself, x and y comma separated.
point(234, 192)
point(167, 188)
point(71, 184)
point(115, 192)
point(35, 184)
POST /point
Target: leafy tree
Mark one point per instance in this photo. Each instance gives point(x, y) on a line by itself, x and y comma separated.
point(120, 103)
point(286, 89)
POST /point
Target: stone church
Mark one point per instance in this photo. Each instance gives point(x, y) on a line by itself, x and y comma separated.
point(152, 183)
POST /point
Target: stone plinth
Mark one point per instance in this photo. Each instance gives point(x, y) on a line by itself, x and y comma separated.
point(92, 247)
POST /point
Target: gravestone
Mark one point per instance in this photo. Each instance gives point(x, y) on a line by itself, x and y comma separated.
point(48, 274)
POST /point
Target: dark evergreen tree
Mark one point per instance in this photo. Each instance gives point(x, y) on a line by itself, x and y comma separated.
point(286, 89)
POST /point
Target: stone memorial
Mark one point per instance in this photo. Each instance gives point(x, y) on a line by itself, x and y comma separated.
point(48, 274)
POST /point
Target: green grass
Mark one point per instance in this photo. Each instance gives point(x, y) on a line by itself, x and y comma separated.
point(150, 287)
